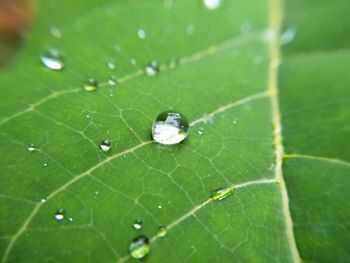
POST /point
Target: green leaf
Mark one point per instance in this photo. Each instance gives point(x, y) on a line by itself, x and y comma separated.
point(283, 186)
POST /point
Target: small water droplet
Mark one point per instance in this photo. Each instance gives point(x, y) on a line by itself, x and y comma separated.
point(31, 148)
point(59, 215)
point(288, 35)
point(70, 219)
point(246, 27)
point(221, 194)
point(269, 35)
point(162, 231)
point(190, 28)
point(200, 131)
point(90, 84)
point(55, 32)
point(173, 62)
point(45, 164)
point(139, 247)
point(111, 64)
point(152, 68)
point(42, 200)
point(52, 59)
point(105, 145)
point(160, 206)
point(141, 33)
point(133, 61)
point(170, 128)
point(258, 59)
point(212, 4)
point(112, 81)
point(137, 224)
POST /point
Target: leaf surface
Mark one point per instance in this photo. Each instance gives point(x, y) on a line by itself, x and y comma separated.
point(290, 195)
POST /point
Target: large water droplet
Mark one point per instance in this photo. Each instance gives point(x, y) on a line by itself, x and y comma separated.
point(105, 145)
point(52, 59)
point(90, 84)
point(220, 194)
point(141, 33)
point(170, 128)
point(152, 68)
point(212, 4)
point(31, 148)
point(137, 224)
point(162, 231)
point(59, 215)
point(139, 247)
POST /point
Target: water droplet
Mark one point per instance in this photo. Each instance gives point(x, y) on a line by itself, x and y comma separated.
point(90, 84)
point(160, 206)
point(105, 145)
point(246, 27)
point(45, 164)
point(170, 128)
point(139, 247)
point(190, 28)
point(200, 131)
point(221, 194)
point(269, 35)
point(174, 62)
point(55, 32)
point(162, 231)
point(31, 148)
point(141, 33)
point(70, 219)
point(152, 68)
point(42, 200)
point(59, 215)
point(258, 59)
point(111, 64)
point(137, 224)
point(212, 4)
point(288, 35)
point(133, 61)
point(52, 59)
point(112, 81)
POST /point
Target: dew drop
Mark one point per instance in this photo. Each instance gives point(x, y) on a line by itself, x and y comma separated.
point(288, 35)
point(45, 164)
point(59, 215)
point(160, 206)
point(152, 68)
point(90, 84)
point(162, 231)
point(133, 61)
point(70, 219)
point(212, 4)
point(42, 200)
point(137, 224)
point(52, 59)
point(173, 62)
point(112, 81)
point(139, 247)
point(55, 32)
point(200, 131)
point(221, 194)
point(105, 145)
point(190, 28)
point(246, 27)
point(31, 148)
point(111, 64)
point(141, 33)
point(170, 128)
